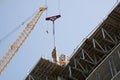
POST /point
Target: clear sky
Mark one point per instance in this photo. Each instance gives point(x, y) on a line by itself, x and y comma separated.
point(78, 19)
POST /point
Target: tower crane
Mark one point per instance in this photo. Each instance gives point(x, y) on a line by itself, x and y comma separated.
point(13, 49)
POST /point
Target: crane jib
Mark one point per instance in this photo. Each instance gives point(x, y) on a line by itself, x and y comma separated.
point(7, 57)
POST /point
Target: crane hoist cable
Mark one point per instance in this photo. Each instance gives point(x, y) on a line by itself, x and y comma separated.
point(59, 7)
point(58, 11)
point(46, 6)
point(47, 30)
point(53, 19)
point(17, 28)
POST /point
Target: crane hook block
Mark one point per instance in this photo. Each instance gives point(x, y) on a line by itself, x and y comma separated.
point(53, 18)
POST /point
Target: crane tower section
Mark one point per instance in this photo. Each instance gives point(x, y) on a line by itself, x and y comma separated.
point(7, 57)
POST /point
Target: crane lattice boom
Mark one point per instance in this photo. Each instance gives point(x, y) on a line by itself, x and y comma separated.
point(4, 61)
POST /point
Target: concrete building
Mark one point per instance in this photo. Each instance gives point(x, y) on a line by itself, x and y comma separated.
point(98, 58)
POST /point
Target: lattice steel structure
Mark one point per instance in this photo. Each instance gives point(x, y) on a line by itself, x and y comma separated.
point(98, 58)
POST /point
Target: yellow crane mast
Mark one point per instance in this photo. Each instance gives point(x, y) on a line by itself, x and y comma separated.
point(7, 57)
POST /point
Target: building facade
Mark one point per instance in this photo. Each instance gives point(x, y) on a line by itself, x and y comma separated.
point(98, 58)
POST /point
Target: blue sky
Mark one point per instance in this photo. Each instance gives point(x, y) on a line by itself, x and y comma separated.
point(78, 19)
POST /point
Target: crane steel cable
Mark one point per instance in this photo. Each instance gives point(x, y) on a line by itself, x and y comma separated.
point(46, 16)
point(53, 18)
point(59, 7)
point(17, 28)
point(46, 6)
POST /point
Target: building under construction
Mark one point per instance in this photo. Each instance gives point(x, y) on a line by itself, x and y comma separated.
point(98, 58)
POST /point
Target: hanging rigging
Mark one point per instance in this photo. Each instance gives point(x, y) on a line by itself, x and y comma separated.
point(53, 19)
